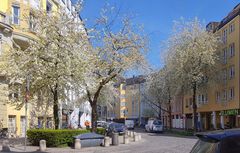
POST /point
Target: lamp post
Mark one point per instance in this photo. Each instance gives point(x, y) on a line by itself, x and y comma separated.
point(26, 109)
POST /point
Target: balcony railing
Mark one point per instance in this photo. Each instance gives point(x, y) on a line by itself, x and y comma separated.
point(4, 18)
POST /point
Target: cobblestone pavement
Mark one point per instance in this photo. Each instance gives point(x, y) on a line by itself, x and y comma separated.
point(150, 143)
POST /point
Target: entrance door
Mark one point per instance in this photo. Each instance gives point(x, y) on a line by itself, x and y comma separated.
point(23, 124)
point(12, 125)
point(208, 121)
point(232, 121)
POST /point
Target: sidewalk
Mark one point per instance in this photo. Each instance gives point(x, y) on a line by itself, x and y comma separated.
point(99, 149)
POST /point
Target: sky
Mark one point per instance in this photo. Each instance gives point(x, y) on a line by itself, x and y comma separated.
point(158, 16)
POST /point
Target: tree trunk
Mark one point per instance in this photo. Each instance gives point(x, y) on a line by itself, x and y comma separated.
point(194, 106)
point(170, 115)
point(55, 107)
point(160, 113)
point(94, 116)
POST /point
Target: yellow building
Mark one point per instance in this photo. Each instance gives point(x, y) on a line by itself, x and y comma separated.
point(131, 104)
point(219, 105)
point(15, 26)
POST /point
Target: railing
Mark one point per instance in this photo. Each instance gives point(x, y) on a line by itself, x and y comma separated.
point(4, 18)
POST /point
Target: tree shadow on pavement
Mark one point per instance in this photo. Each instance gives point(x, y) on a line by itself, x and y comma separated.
point(171, 135)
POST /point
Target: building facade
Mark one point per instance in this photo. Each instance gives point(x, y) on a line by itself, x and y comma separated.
point(15, 28)
point(131, 104)
point(218, 106)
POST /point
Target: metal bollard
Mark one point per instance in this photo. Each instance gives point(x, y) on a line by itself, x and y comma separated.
point(106, 141)
point(5, 146)
point(77, 144)
point(125, 139)
point(42, 145)
point(115, 139)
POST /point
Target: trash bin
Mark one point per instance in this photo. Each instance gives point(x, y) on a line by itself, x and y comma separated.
point(115, 139)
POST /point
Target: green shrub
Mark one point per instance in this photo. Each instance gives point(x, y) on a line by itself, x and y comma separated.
point(54, 138)
point(101, 131)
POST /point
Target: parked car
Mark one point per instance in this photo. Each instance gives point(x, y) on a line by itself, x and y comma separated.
point(224, 141)
point(129, 124)
point(116, 128)
point(101, 124)
point(154, 125)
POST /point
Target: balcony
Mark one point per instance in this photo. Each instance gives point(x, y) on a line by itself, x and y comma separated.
point(5, 23)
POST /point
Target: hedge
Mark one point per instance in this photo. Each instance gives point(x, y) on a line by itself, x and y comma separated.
point(56, 138)
point(101, 131)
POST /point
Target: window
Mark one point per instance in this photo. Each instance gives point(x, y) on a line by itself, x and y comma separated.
point(186, 102)
point(123, 87)
point(224, 36)
point(123, 104)
point(122, 96)
point(225, 56)
point(231, 93)
point(206, 98)
point(49, 7)
point(231, 72)
point(217, 96)
point(32, 25)
point(199, 99)
point(231, 50)
point(190, 102)
point(15, 14)
point(122, 113)
point(224, 95)
point(231, 28)
point(40, 122)
point(14, 94)
point(225, 76)
point(12, 124)
point(203, 99)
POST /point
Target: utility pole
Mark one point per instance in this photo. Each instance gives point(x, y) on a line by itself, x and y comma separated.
point(26, 109)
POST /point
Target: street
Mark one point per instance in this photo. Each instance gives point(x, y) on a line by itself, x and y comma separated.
point(150, 143)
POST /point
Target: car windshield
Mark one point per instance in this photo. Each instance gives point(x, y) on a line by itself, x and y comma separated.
point(204, 146)
point(157, 122)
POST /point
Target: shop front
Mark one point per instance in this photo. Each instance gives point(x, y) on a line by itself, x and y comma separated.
point(229, 118)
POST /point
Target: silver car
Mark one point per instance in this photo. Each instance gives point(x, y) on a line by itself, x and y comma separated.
point(154, 125)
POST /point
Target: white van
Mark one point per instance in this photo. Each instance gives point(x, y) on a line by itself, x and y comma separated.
point(129, 124)
point(154, 125)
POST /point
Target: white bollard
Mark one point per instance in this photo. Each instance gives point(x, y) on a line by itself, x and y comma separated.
point(42, 145)
point(125, 139)
point(106, 141)
point(77, 144)
point(128, 133)
point(5, 146)
point(135, 138)
point(134, 133)
point(131, 134)
point(120, 139)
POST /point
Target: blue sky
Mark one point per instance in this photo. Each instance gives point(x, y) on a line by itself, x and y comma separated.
point(157, 16)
